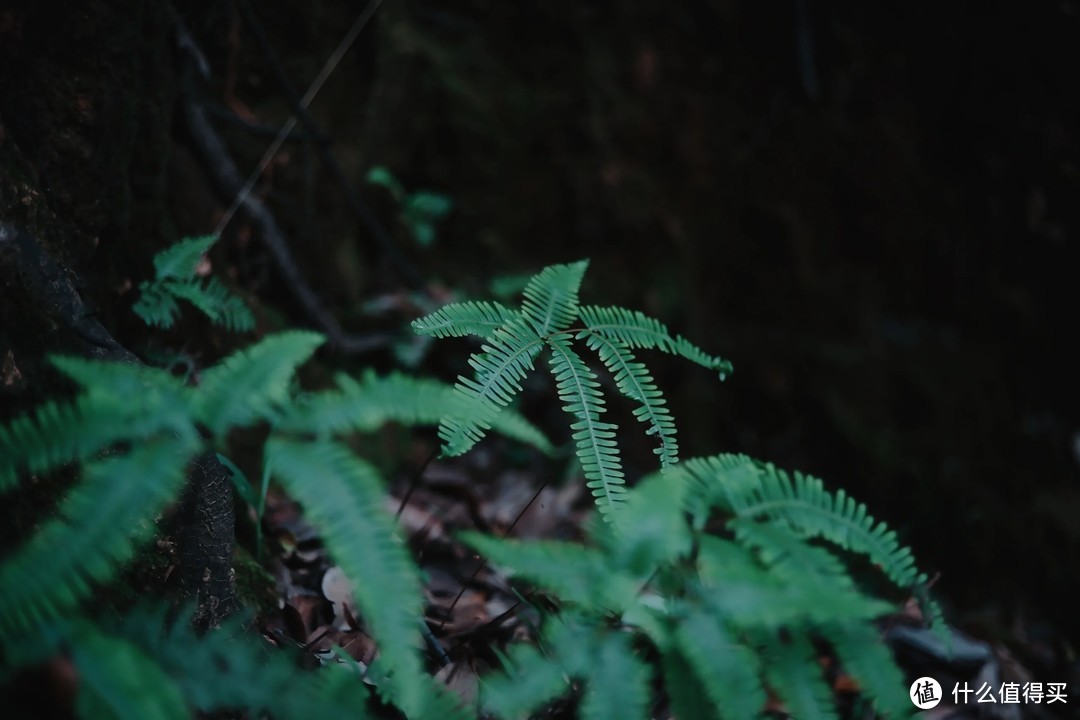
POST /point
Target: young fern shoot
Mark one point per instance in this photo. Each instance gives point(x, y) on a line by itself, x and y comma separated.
point(551, 318)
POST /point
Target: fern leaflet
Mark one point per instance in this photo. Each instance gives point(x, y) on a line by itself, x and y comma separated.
point(726, 669)
point(178, 261)
point(617, 684)
point(104, 516)
point(551, 297)
point(794, 674)
point(344, 496)
point(118, 680)
point(637, 330)
point(504, 363)
point(373, 401)
point(634, 381)
point(465, 318)
point(253, 384)
point(176, 278)
point(595, 440)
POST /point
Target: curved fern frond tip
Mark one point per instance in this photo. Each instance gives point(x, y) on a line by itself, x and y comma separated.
point(179, 261)
point(551, 297)
point(465, 318)
point(636, 330)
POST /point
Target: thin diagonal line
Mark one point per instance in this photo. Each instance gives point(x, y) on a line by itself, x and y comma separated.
point(290, 124)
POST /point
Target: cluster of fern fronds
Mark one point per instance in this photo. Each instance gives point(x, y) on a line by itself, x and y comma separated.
point(707, 565)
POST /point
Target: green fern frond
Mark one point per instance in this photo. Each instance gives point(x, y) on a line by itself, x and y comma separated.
point(551, 297)
point(175, 278)
point(465, 318)
point(743, 593)
point(617, 686)
point(727, 670)
point(178, 261)
point(794, 674)
point(805, 506)
point(595, 440)
point(868, 659)
point(97, 527)
point(344, 497)
point(156, 305)
point(216, 302)
point(576, 574)
point(652, 530)
point(637, 330)
point(505, 361)
point(373, 401)
point(232, 669)
point(686, 693)
point(60, 432)
point(823, 585)
point(118, 680)
point(57, 433)
point(634, 381)
point(529, 680)
point(253, 384)
point(751, 489)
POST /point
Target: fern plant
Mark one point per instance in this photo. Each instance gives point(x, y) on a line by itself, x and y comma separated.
point(175, 278)
point(551, 318)
point(132, 430)
point(733, 615)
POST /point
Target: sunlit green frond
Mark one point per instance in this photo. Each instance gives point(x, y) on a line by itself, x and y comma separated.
point(865, 656)
point(119, 681)
point(373, 401)
point(793, 673)
point(637, 330)
point(503, 363)
point(595, 440)
point(344, 497)
point(574, 573)
point(465, 318)
point(634, 381)
point(727, 670)
point(617, 686)
point(97, 526)
point(252, 384)
point(178, 261)
point(551, 297)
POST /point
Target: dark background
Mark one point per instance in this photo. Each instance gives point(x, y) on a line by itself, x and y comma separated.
point(872, 211)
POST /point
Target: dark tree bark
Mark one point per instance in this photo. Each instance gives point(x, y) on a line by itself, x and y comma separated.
point(86, 104)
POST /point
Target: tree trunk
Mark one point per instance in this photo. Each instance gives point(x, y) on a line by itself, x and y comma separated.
point(87, 95)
